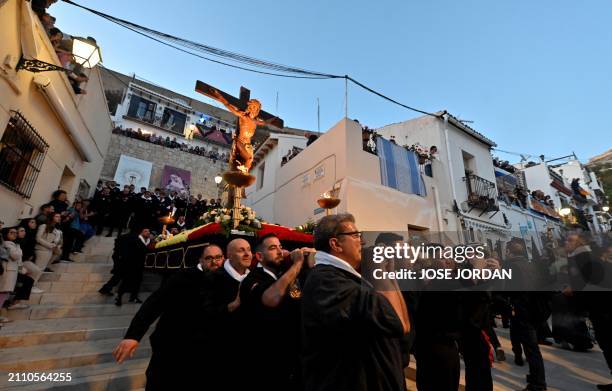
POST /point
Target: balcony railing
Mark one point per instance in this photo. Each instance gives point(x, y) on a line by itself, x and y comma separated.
point(555, 176)
point(481, 194)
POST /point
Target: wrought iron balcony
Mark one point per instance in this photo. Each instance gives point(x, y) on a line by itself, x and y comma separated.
point(482, 194)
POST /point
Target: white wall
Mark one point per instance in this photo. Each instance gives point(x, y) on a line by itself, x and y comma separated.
point(339, 159)
point(18, 92)
point(448, 169)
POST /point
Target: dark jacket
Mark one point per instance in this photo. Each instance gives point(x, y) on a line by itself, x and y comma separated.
point(350, 335)
point(179, 341)
point(275, 334)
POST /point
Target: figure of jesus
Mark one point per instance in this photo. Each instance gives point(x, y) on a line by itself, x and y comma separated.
point(242, 151)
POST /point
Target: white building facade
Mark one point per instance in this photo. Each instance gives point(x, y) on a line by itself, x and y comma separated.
point(50, 138)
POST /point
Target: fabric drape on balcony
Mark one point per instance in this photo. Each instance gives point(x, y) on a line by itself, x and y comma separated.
point(399, 168)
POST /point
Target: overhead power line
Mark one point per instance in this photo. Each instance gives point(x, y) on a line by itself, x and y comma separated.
point(248, 63)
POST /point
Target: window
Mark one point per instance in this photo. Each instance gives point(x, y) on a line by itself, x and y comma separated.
point(142, 109)
point(173, 121)
point(260, 175)
point(22, 152)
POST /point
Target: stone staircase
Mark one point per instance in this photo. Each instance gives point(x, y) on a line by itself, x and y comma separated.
point(71, 328)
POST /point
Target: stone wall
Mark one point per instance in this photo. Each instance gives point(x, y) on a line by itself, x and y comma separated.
point(203, 170)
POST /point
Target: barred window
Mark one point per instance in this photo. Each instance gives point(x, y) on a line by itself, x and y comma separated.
point(22, 151)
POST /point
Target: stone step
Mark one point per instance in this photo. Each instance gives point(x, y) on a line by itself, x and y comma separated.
point(86, 287)
point(20, 333)
point(93, 258)
point(81, 267)
point(74, 277)
point(108, 376)
point(76, 298)
point(54, 311)
point(88, 277)
point(64, 355)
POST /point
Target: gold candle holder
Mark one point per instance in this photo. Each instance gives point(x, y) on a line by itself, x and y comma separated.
point(328, 202)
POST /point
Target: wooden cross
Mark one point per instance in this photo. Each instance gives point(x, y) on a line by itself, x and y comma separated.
point(240, 102)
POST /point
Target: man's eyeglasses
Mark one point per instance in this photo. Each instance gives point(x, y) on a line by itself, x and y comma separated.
point(354, 234)
point(215, 258)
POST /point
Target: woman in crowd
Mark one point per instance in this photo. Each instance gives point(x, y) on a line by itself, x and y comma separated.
point(13, 266)
point(86, 228)
point(4, 290)
point(26, 238)
point(48, 241)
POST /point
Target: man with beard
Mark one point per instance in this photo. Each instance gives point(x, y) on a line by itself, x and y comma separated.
point(224, 317)
point(271, 307)
point(351, 332)
point(178, 342)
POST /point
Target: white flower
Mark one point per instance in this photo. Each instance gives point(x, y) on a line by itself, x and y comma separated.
point(217, 219)
point(226, 217)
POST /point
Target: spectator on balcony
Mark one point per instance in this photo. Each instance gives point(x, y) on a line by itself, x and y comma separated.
point(56, 37)
point(311, 138)
point(48, 22)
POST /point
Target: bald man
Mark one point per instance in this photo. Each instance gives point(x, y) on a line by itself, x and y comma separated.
point(225, 318)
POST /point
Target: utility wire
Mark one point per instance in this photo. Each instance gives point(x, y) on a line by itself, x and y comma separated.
point(290, 72)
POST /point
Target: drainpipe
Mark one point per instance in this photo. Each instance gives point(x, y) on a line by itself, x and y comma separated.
point(436, 197)
point(450, 171)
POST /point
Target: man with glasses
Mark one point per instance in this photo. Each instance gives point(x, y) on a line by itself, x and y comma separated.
point(178, 342)
point(350, 332)
point(212, 258)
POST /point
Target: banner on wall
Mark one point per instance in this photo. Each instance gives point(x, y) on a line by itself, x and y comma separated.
point(132, 171)
point(176, 179)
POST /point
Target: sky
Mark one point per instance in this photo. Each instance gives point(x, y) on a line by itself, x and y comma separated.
point(534, 76)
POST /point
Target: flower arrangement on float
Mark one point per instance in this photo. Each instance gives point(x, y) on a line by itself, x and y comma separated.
point(308, 227)
point(249, 222)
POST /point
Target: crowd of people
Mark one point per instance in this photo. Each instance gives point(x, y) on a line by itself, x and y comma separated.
point(170, 143)
point(62, 44)
point(308, 320)
point(61, 229)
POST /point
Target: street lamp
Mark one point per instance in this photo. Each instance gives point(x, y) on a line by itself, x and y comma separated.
point(605, 208)
point(218, 179)
point(565, 211)
point(85, 51)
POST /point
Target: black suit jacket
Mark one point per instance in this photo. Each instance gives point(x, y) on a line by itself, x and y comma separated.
point(179, 305)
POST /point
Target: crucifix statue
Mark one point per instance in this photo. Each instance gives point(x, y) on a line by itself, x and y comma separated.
point(249, 115)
